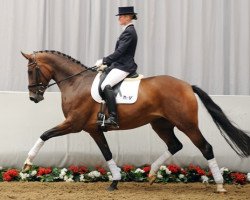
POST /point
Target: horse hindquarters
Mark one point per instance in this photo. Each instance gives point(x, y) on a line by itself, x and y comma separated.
point(185, 117)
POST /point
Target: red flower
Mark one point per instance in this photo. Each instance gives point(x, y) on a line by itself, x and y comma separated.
point(10, 174)
point(198, 170)
point(13, 172)
point(174, 169)
point(146, 169)
point(209, 173)
point(184, 172)
point(127, 168)
point(101, 170)
point(43, 171)
point(74, 169)
point(239, 178)
point(7, 177)
point(191, 167)
point(83, 170)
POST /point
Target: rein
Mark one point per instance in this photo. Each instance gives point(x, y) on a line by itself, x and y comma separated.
point(81, 72)
point(41, 87)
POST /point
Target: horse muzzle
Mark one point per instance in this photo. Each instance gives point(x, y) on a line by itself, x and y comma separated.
point(36, 97)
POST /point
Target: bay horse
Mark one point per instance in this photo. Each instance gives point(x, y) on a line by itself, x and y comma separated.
point(166, 102)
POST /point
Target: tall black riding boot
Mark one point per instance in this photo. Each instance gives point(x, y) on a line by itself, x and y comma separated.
point(111, 104)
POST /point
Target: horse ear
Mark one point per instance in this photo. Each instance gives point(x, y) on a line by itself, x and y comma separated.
point(27, 56)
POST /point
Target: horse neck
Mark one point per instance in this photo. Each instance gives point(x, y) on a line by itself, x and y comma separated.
point(62, 68)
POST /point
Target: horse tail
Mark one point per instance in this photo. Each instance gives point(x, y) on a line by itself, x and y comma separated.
point(235, 137)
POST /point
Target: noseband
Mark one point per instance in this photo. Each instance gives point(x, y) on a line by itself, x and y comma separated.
point(40, 87)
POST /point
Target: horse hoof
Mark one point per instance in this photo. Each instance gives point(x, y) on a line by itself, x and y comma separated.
point(26, 167)
point(151, 179)
point(220, 189)
point(113, 186)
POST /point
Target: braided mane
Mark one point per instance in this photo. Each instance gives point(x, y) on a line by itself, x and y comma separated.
point(61, 54)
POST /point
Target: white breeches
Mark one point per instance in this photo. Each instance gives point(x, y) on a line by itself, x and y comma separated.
point(114, 77)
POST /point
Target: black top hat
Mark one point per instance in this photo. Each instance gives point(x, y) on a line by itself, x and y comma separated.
point(127, 11)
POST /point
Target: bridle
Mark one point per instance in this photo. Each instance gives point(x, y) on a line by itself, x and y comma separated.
point(39, 86)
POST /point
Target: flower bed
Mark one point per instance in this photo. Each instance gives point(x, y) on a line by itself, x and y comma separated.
point(170, 173)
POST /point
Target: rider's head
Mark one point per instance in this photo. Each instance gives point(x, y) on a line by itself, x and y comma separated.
point(126, 15)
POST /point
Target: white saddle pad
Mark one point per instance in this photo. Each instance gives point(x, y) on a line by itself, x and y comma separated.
point(128, 91)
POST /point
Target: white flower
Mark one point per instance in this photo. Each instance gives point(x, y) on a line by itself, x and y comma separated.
point(94, 174)
point(23, 176)
point(1, 167)
point(68, 178)
point(223, 169)
point(139, 170)
point(248, 177)
point(64, 170)
point(163, 167)
point(61, 177)
point(181, 176)
point(82, 179)
point(97, 174)
point(167, 171)
point(110, 178)
point(159, 175)
point(33, 173)
point(62, 173)
point(204, 179)
point(65, 178)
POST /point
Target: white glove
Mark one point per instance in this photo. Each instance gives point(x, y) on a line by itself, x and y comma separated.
point(98, 63)
point(101, 68)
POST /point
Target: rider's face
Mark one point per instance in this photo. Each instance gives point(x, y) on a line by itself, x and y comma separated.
point(124, 19)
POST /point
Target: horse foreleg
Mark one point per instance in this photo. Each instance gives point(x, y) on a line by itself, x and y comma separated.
point(104, 147)
point(32, 154)
point(59, 130)
point(165, 131)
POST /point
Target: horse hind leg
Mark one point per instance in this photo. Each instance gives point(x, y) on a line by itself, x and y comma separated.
point(206, 149)
point(165, 131)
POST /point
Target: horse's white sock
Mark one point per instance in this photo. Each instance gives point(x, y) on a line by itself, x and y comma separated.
point(156, 165)
point(33, 152)
point(218, 178)
point(114, 170)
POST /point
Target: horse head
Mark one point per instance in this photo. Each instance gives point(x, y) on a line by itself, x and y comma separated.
point(39, 76)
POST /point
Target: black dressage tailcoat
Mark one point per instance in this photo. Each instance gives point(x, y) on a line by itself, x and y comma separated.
point(123, 56)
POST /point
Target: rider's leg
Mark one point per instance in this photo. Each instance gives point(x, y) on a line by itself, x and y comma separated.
point(111, 104)
point(114, 77)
